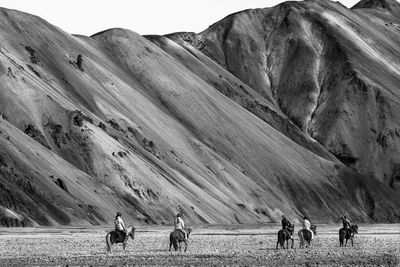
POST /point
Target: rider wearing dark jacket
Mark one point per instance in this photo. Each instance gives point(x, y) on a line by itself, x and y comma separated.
point(286, 224)
point(345, 222)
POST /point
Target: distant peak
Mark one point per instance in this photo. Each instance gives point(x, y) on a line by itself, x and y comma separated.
point(386, 4)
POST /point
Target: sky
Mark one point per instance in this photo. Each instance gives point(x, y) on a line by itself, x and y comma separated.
point(88, 17)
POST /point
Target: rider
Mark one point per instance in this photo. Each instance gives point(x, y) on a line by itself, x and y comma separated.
point(346, 222)
point(307, 226)
point(180, 225)
point(286, 224)
point(119, 225)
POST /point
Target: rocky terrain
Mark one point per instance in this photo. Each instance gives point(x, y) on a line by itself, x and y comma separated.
point(291, 109)
point(375, 245)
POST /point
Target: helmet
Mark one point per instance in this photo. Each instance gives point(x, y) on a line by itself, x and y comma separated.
point(178, 215)
point(118, 213)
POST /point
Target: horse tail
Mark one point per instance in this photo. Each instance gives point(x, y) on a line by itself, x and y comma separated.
point(281, 239)
point(341, 238)
point(301, 238)
point(108, 242)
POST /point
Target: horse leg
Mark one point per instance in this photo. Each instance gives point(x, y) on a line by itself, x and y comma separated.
point(185, 244)
point(292, 242)
point(277, 243)
point(108, 242)
point(124, 245)
point(346, 243)
point(301, 242)
point(352, 242)
point(287, 243)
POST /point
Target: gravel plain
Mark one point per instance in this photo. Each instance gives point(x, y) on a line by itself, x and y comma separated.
point(375, 245)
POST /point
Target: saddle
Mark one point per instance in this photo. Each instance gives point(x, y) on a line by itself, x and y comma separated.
point(120, 236)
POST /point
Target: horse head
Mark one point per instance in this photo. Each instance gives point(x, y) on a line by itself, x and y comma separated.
point(313, 228)
point(188, 231)
point(354, 228)
point(131, 231)
point(290, 228)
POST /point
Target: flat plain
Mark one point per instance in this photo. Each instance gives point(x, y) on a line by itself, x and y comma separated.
point(375, 245)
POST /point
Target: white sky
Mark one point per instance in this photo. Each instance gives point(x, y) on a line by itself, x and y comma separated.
point(88, 17)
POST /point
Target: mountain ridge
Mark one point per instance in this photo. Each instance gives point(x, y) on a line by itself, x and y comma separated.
point(153, 125)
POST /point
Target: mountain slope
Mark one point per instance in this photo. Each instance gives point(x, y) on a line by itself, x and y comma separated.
point(136, 130)
point(332, 71)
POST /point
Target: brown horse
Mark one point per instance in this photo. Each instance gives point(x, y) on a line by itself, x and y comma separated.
point(285, 235)
point(177, 237)
point(305, 236)
point(114, 237)
point(347, 234)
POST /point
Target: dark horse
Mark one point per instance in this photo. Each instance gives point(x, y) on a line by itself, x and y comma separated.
point(347, 234)
point(176, 237)
point(114, 237)
point(285, 235)
point(305, 236)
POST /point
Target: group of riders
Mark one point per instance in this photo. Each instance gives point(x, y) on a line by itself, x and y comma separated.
point(306, 224)
point(179, 225)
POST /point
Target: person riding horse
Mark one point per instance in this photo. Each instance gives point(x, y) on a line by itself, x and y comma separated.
point(286, 224)
point(307, 226)
point(180, 225)
point(346, 222)
point(120, 226)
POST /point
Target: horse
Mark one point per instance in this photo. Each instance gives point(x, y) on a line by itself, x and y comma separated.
point(114, 237)
point(285, 234)
point(347, 233)
point(176, 237)
point(305, 235)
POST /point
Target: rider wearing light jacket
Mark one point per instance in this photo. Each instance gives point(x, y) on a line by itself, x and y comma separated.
point(180, 224)
point(307, 226)
point(119, 224)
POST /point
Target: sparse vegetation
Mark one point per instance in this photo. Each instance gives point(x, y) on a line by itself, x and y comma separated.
point(60, 182)
point(78, 118)
point(79, 62)
point(121, 154)
point(34, 70)
point(34, 59)
point(102, 126)
point(114, 124)
point(10, 73)
point(31, 131)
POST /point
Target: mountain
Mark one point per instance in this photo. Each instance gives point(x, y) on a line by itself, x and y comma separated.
point(332, 71)
point(377, 4)
point(284, 110)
